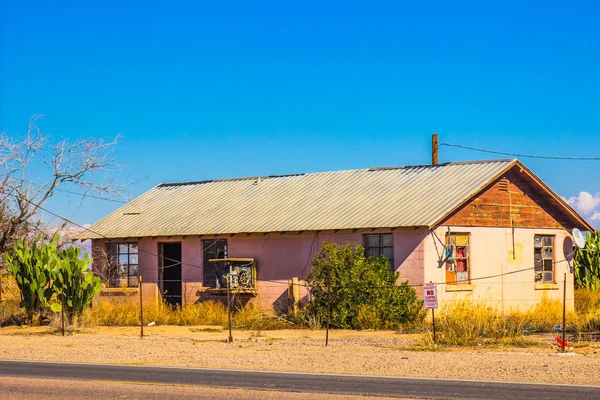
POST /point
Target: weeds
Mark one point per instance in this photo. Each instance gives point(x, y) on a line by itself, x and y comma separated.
point(108, 313)
point(11, 312)
point(468, 323)
point(253, 318)
point(368, 317)
point(461, 324)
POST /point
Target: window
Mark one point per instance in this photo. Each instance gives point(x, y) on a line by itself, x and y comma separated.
point(216, 248)
point(543, 255)
point(123, 264)
point(376, 245)
point(458, 264)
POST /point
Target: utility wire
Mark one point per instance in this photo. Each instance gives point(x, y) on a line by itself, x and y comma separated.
point(520, 155)
point(92, 196)
point(197, 266)
point(106, 237)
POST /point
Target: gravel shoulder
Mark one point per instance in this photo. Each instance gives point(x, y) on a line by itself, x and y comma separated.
point(349, 352)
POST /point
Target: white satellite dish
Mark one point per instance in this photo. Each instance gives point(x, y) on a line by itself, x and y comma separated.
point(578, 238)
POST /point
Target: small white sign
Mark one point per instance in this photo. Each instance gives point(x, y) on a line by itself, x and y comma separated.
point(430, 295)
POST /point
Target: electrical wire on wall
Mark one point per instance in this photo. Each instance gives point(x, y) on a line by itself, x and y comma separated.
point(280, 282)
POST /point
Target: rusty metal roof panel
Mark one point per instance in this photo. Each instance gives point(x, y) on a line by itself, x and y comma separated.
point(366, 198)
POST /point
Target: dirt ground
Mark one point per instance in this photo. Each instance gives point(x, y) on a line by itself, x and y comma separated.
point(349, 352)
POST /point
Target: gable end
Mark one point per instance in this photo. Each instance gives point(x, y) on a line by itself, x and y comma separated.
point(514, 199)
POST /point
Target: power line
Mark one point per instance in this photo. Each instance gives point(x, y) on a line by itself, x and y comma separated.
point(92, 196)
point(106, 237)
point(520, 155)
point(197, 266)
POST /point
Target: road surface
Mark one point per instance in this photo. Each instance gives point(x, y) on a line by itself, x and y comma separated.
point(299, 382)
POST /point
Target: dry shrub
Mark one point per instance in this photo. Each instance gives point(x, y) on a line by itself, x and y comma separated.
point(203, 313)
point(116, 313)
point(11, 313)
point(544, 316)
point(368, 317)
point(587, 307)
point(111, 313)
point(254, 318)
point(587, 301)
point(108, 313)
point(467, 323)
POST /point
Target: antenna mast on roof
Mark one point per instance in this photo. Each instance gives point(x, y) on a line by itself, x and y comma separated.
point(434, 149)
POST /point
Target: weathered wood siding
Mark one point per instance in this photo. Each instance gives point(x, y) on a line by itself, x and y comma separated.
point(511, 199)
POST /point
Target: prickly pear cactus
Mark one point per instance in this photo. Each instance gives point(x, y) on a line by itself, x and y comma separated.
point(587, 263)
point(31, 265)
point(73, 282)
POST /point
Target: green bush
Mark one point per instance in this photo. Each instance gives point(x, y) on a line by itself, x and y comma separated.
point(363, 291)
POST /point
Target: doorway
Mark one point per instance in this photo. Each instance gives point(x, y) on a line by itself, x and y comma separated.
point(171, 272)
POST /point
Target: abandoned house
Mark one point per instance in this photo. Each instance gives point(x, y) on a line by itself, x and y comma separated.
point(490, 230)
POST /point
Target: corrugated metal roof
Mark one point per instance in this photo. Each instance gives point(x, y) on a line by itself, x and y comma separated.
point(366, 198)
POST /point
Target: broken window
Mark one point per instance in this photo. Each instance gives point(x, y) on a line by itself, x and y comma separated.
point(380, 244)
point(122, 265)
point(213, 249)
point(458, 263)
point(543, 258)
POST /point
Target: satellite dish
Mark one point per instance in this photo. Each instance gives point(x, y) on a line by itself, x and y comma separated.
point(578, 238)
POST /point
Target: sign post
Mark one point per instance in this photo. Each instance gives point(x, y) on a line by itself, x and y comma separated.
point(431, 302)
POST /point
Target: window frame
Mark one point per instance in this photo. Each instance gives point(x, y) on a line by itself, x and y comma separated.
point(380, 246)
point(451, 266)
point(542, 247)
point(209, 280)
point(114, 260)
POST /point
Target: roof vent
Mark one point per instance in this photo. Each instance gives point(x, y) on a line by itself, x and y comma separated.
point(503, 185)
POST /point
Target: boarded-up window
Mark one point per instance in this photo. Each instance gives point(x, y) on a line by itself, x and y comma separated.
point(380, 244)
point(543, 258)
point(458, 264)
point(213, 249)
point(123, 264)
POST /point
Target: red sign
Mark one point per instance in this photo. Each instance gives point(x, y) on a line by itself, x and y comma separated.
point(430, 295)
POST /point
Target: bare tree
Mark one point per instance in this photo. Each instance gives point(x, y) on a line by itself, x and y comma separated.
point(32, 169)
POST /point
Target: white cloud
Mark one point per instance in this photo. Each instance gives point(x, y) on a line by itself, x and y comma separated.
point(588, 206)
point(585, 203)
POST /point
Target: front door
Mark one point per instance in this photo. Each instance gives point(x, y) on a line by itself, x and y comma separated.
point(171, 272)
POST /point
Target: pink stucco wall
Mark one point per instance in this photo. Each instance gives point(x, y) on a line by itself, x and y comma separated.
point(511, 279)
point(283, 256)
point(279, 258)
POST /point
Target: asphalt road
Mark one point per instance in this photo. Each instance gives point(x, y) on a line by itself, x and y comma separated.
point(300, 382)
point(65, 389)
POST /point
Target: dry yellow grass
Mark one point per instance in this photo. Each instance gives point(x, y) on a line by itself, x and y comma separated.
point(462, 323)
point(471, 323)
point(108, 313)
point(11, 312)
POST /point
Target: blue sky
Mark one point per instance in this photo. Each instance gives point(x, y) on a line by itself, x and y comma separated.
point(213, 90)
